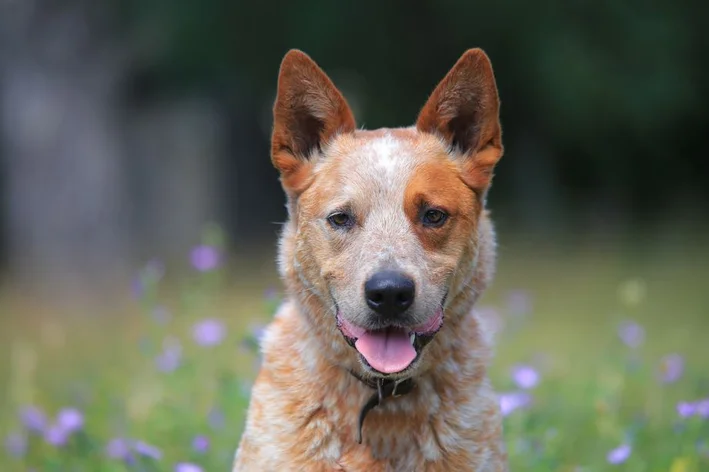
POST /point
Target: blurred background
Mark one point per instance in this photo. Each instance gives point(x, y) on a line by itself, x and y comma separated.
point(132, 130)
point(126, 126)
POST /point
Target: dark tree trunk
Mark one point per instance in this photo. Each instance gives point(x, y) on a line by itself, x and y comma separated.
point(64, 186)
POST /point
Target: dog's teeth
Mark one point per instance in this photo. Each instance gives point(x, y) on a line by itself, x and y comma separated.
point(413, 338)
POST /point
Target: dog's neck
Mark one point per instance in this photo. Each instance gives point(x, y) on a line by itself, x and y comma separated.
point(384, 389)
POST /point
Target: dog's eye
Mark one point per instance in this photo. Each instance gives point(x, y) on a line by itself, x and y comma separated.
point(340, 220)
point(434, 218)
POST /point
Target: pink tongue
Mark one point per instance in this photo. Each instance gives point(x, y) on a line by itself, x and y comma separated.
point(388, 350)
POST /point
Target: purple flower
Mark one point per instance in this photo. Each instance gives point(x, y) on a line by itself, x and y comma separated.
point(699, 408)
point(33, 418)
point(153, 271)
point(686, 409)
point(200, 444)
point(631, 333)
point(671, 368)
point(216, 418)
point(619, 454)
point(118, 449)
point(525, 377)
point(208, 332)
point(519, 303)
point(147, 450)
point(16, 444)
point(56, 435)
point(169, 359)
point(258, 331)
point(702, 407)
point(512, 401)
point(188, 467)
point(271, 294)
point(70, 420)
point(205, 258)
point(137, 289)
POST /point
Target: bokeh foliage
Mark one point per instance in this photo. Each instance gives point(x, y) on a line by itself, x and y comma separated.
point(582, 367)
point(600, 99)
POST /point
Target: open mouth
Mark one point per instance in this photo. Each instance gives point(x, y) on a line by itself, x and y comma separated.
point(392, 349)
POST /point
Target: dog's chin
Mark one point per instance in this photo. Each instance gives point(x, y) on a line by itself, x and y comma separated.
point(391, 352)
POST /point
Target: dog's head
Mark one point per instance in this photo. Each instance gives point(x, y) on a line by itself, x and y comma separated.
point(383, 222)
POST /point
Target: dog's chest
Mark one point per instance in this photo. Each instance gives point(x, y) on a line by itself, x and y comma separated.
point(399, 435)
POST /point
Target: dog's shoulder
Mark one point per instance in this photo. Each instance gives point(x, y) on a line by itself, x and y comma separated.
point(288, 426)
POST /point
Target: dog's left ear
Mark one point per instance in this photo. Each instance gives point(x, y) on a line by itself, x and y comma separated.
point(464, 111)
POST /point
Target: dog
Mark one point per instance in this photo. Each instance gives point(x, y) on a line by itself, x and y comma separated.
point(376, 360)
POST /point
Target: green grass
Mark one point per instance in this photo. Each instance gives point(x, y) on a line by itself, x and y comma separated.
point(595, 393)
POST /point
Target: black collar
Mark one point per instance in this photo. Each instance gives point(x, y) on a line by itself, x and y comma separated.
point(385, 388)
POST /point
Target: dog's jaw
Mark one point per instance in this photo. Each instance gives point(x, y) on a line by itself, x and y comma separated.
point(392, 350)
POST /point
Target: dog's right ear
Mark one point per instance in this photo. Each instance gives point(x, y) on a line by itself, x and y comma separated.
point(309, 110)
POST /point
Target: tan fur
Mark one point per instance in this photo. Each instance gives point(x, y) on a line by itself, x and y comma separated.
point(305, 404)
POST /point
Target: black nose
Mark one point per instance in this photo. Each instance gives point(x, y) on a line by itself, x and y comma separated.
point(389, 293)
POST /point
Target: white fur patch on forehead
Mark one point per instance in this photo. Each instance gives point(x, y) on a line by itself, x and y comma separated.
point(376, 157)
point(387, 151)
point(384, 166)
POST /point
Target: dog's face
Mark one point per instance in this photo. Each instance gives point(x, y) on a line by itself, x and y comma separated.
point(386, 218)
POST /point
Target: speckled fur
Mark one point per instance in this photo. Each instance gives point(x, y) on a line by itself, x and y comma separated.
point(305, 404)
